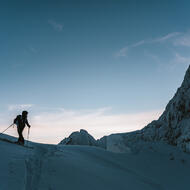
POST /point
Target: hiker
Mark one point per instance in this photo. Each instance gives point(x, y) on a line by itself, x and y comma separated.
point(21, 121)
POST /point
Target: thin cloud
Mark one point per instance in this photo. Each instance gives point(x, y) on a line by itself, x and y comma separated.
point(139, 43)
point(152, 56)
point(183, 40)
point(177, 61)
point(55, 25)
point(181, 59)
point(15, 107)
point(166, 37)
point(123, 52)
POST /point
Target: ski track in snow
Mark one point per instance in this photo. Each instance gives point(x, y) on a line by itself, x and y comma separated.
point(41, 169)
point(34, 166)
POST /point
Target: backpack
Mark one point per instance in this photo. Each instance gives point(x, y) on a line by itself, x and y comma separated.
point(18, 120)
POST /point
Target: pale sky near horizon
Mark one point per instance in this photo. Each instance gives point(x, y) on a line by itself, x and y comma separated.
point(105, 66)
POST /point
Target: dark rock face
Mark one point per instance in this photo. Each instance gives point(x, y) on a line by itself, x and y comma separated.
point(173, 126)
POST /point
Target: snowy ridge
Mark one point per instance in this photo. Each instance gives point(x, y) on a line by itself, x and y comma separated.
point(173, 127)
point(81, 137)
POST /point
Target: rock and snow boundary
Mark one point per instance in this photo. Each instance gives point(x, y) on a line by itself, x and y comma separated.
point(173, 127)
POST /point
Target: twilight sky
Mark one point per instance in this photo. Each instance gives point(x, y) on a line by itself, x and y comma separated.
point(106, 66)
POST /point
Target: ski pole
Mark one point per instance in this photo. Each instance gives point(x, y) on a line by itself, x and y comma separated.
point(6, 129)
point(28, 135)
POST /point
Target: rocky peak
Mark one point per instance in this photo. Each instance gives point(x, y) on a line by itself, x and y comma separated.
point(81, 137)
point(186, 82)
point(174, 124)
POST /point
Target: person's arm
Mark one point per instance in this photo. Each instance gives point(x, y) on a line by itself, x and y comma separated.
point(27, 123)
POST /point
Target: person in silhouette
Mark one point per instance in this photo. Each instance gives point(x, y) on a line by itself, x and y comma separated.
point(21, 121)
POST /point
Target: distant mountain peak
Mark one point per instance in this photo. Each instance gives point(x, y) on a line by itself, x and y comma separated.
point(81, 137)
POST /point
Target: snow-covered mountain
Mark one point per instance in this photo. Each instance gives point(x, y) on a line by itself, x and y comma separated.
point(173, 127)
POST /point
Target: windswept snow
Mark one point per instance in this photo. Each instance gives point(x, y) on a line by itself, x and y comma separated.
point(57, 167)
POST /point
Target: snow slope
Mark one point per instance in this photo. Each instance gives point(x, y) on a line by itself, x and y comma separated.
point(58, 167)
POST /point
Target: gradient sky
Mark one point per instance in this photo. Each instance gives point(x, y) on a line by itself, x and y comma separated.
point(103, 65)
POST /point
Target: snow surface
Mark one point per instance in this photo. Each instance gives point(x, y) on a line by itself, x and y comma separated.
point(157, 166)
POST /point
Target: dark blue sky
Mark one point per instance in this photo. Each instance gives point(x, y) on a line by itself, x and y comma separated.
point(126, 55)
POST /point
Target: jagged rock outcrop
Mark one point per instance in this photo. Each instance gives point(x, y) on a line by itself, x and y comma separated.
point(81, 137)
point(173, 126)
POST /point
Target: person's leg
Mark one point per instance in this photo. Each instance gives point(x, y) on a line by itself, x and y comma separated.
point(19, 133)
point(21, 138)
